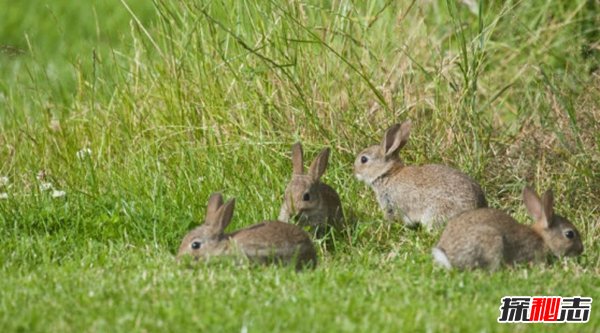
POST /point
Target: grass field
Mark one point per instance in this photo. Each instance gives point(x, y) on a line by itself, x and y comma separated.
point(119, 118)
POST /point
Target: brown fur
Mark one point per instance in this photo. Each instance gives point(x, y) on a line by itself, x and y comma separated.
point(266, 242)
point(487, 238)
point(323, 207)
point(428, 194)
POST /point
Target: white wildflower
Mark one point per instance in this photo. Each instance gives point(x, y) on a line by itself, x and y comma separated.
point(83, 153)
point(4, 181)
point(3, 196)
point(45, 186)
point(58, 194)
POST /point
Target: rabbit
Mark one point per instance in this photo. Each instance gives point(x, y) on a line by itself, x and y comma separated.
point(307, 200)
point(486, 238)
point(426, 195)
point(266, 242)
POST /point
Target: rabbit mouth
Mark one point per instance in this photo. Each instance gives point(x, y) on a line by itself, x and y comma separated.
point(575, 251)
point(300, 217)
point(304, 219)
point(571, 252)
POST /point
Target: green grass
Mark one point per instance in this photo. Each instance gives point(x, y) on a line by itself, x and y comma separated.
point(176, 100)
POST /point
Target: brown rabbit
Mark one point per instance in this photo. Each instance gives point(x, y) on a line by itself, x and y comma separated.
point(307, 200)
point(266, 242)
point(486, 238)
point(428, 194)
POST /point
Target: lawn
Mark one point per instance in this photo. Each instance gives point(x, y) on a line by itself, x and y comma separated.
point(119, 118)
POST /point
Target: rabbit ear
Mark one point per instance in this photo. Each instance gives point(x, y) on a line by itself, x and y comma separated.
point(224, 215)
point(297, 160)
point(533, 204)
point(396, 137)
point(541, 210)
point(548, 204)
point(214, 202)
point(213, 208)
point(318, 166)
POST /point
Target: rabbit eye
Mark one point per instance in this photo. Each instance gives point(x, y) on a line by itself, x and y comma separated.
point(196, 245)
point(570, 234)
point(364, 159)
point(306, 197)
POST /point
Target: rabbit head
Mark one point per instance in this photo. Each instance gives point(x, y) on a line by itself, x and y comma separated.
point(303, 196)
point(378, 160)
point(559, 234)
point(207, 239)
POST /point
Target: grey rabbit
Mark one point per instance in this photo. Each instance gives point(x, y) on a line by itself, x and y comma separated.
point(307, 200)
point(428, 194)
point(265, 242)
point(486, 238)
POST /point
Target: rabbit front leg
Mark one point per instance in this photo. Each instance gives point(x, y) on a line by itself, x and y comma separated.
point(394, 213)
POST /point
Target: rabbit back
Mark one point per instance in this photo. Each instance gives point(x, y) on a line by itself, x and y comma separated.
point(428, 194)
point(275, 241)
point(486, 238)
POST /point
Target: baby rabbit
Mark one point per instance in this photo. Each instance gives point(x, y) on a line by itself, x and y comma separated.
point(428, 194)
point(307, 200)
point(266, 242)
point(486, 238)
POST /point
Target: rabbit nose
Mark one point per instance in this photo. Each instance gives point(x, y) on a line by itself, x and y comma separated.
point(580, 249)
point(576, 250)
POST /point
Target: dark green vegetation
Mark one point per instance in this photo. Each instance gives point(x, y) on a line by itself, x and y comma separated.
point(177, 99)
